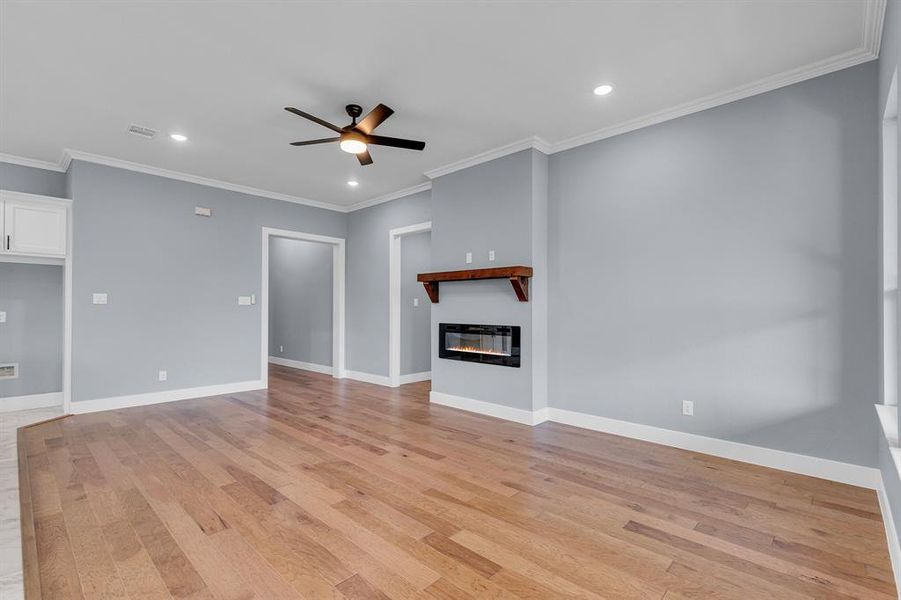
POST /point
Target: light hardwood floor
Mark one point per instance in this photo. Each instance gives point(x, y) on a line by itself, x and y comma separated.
point(336, 489)
point(10, 542)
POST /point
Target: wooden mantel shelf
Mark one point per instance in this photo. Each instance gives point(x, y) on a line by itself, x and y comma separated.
point(518, 276)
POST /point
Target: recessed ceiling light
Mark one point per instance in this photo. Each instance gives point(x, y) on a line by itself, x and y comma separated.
point(353, 183)
point(178, 137)
point(603, 90)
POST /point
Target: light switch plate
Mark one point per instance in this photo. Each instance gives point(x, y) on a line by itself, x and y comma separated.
point(164, 375)
point(2, 316)
point(101, 298)
point(415, 301)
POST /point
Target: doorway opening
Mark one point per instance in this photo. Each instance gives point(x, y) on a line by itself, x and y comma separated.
point(302, 302)
point(409, 318)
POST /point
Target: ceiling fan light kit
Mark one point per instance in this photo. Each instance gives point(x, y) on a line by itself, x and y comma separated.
point(353, 142)
point(357, 137)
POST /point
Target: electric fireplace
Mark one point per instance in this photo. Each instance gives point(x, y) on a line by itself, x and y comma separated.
point(489, 344)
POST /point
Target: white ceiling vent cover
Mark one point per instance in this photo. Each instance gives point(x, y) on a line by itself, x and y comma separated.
point(145, 132)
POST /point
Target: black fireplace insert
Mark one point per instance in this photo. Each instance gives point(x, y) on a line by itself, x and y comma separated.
point(489, 344)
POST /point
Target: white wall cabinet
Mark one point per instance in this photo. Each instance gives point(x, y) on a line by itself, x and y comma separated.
point(33, 225)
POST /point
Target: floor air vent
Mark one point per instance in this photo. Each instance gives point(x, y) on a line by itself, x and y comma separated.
point(9, 371)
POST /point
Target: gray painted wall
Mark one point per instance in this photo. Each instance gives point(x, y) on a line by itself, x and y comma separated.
point(415, 321)
point(728, 258)
point(367, 278)
point(32, 296)
point(32, 181)
point(300, 300)
point(173, 280)
point(482, 208)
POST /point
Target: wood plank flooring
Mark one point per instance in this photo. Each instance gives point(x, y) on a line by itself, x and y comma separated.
point(336, 489)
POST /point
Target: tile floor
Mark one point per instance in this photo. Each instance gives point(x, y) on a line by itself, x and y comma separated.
point(10, 540)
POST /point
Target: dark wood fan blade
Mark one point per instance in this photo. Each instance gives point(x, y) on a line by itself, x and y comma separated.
point(319, 141)
point(300, 113)
point(381, 140)
point(364, 158)
point(375, 118)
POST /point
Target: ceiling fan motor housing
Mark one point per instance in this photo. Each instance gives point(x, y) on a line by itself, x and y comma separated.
point(354, 111)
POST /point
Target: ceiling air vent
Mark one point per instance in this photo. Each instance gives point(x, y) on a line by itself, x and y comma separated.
point(9, 371)
point(145, 132)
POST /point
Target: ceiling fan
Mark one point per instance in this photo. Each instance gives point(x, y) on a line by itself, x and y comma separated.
point(357, 137)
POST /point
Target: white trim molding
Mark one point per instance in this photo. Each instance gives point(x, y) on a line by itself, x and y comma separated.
point(29, 401)
point(303, 366)
point(394, 291)
point(369, 378)
point(489, 155)
point(415, 377)
point(422, 187)
point(117, 402)
point(508, 413)
point(841, 472)
point(768, 84)
point(888, 420)
point(69, 155)
point(24, 161)
point(891, 534)
point(339, 258)
point(869, 50)
point(867, 477)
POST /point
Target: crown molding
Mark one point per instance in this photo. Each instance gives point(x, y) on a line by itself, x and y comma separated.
point(873, 26)
point(489, 155)
point(70, 155)
point(34, 163)
point(422, 187)
point(843, 61)
point(872, 39)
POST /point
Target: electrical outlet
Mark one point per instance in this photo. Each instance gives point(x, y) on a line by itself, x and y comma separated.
point(415, 301)
point(281, 348)
point(491, 255)
point(688, 408)
point(100, 298)
point(469, 258)
point(2, 316)
point(164, 375)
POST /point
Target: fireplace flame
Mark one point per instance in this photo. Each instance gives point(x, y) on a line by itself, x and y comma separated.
point(478, 350)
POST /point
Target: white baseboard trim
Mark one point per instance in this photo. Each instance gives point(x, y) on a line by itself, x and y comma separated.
point(414, 377)
point(116, 402)
point(802, 464)
point(369, 378)
point(299, 364)
point(518, 415)
point(891, 534)
point(30, 401)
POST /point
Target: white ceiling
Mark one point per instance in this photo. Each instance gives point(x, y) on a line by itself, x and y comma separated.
point(466, 77)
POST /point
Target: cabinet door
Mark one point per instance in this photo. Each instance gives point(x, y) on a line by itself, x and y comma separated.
point(34, 228)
